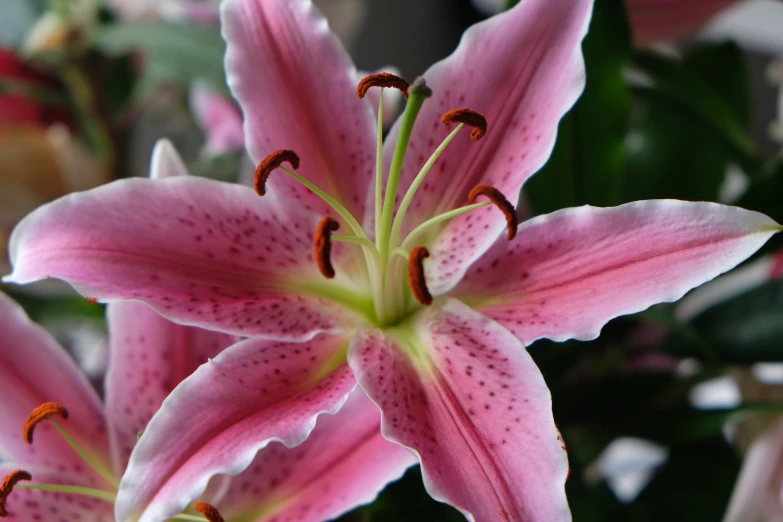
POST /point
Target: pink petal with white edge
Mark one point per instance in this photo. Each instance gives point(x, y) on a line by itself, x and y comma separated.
point(28, 505)
point(219, 118)
point(567, 273)
point(217, 419)
point(344, 463)
point(166, 161)
point(34, 369)
point(475, 408)
point(201, 252)
point(523, 70)
point(304, 101)
point(149, 357)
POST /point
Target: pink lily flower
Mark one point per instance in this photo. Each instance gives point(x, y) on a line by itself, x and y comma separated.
point(437, 343)
point(78, 479)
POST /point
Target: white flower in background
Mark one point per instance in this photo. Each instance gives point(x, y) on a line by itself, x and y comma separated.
point(720, 392)
point(627, 464)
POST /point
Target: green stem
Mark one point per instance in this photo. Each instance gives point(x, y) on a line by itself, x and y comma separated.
point(416, 97)
point(185, 516)
point(406, 201)
point(107, 475)
point(73, 490)
point(401, 252)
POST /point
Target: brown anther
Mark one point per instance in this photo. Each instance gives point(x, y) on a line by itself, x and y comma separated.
point(7, 486)
point(41, 413)
point(382, 79)
point(500, 201)
point(322, 245)
point(416, 275)
point(209, 511)
point(468, 117)
point(269, 164)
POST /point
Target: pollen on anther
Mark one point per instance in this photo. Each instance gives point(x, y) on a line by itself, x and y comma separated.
point(209, 511)
point(322, 246)
point(468, 117)
point(382, 79)
point(38, 415)
point(416, 275)
point(7, 486)
point(500, 201)
point(269, 164)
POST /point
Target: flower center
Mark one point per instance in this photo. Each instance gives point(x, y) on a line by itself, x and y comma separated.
point(396, 291)
point(44, 413)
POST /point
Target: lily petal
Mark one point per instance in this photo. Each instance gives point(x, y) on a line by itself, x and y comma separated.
point(149, 356)
point(166, 161)
point(568, 273)
point(474, 406)
point(215, 421)
point(523, 70)
point(34, 369)
point(201, 252)
point(29, 505)
point(304, 101)
point(344, 454)
point(219, 118)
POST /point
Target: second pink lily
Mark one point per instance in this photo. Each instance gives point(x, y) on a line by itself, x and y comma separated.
point(437, 342)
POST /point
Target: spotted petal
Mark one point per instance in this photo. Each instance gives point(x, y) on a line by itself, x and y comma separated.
point(28, 505)
point(34, 369)
point(296, 87)
point(149, 356)
point(201, 252)
point(217, 419)
point(463, 393)
point(344, 463)
point(568, 273)
point(522, 70)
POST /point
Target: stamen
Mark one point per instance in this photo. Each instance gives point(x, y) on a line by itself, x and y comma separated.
point(322, 245)
point(209, 511)
point(382, 79)
point(500, 201)
point(468, 117)
point(7, 486)
point(416, 275)
point(41, 413)
point(269, 164)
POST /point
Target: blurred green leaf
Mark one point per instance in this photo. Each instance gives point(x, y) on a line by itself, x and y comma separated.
point(722, 66)
point(675, 79)
point(748, 328)
point(587, 164)
point(672, 152)
point(16, 18)
point(172, 51)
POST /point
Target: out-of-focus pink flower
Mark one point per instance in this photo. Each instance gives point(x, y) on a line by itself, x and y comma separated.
point(656, 20)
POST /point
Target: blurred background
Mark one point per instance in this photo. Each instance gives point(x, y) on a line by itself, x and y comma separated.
point(668, 408)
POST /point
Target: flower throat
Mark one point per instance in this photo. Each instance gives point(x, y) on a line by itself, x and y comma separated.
point(395, 265)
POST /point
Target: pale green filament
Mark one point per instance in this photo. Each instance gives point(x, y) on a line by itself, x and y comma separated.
point(368, 245)
point(336, 205)
point(406, 200)
point(107, 496)
point(401, 252)
point(106, 474)
point(416, 232)
point(379, 169)
point(185, 516)
point(416, 98)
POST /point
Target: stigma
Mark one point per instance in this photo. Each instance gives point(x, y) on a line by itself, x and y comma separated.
point(397, 288)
